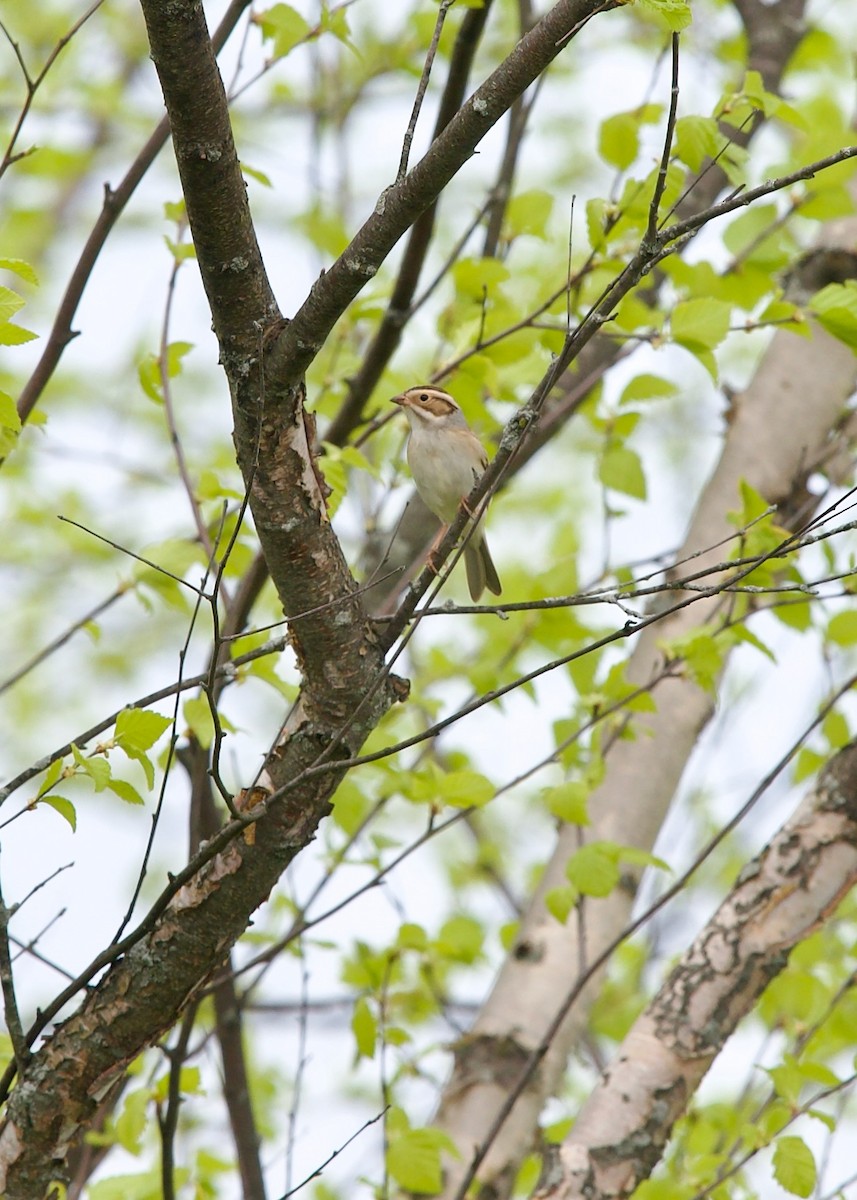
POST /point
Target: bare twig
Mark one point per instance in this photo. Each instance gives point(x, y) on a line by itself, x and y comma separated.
point(319, 1170)
point(33, 83)
point(444, 8)
point(168, 1122)
point(65, 636)
point(660, 182)
point(20, 1047)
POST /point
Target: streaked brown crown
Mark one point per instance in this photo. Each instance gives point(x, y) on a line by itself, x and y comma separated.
point(426, 398)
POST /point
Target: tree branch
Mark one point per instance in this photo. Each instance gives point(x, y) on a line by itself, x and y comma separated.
point(780, 899)
point(400, 205)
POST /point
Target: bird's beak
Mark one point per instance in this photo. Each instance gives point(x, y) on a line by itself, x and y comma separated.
point(400, 400)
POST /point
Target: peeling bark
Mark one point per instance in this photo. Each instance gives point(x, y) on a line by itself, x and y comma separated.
point(782, 897)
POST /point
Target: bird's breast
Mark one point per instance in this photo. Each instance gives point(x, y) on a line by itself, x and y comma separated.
point(443, 472)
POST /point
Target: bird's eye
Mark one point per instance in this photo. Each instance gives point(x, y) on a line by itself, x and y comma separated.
point(423, 396)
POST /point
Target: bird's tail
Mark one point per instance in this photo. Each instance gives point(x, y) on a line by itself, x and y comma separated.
point(481, 572)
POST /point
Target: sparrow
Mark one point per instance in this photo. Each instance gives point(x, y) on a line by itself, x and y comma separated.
point(447, 460)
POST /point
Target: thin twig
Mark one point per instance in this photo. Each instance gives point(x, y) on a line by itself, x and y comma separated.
point(169, 409)
point(168, 1123)
point(130, 553)
point(669, 133)
point(318, 1171)
point(64, 637)
point(445, 6)
point(34, 83)
point(20, 1048)
point(302, 1060)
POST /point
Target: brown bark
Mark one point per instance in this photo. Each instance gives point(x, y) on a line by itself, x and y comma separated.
point(345, 690)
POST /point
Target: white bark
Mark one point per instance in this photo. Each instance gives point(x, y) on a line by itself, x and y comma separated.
point(780, 425)
point(777, 901)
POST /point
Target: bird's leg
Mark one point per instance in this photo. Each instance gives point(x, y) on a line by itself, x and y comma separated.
point(430, 555)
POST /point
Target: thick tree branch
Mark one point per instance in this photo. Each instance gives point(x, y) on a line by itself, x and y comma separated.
point(780, 899)
point(399, 206)
point(141, 995)
point(389, 332)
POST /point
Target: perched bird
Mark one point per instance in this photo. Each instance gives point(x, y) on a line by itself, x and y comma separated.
point(447, 460)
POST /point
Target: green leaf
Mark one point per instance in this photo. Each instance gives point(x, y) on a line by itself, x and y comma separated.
point(465, 789)
point(594, 869)
point(673, 15)
point(842, 628)
point(835, 729)
point(174, 556)
point(835, 309)
point(621, 469)
point(648, 387)
point(52, 774)
point(568, 801)
point(131, 1123)
point(619, 140)
point(98, 769)
point(325, 229)
point(335, 464)
point(365, 1029)
point(701, 653)
point(125, 791)
point(10, 303)
point(794, 1166)
point(64, 807)
point(283, 26)
point(349, 806)
point(528, 213)
point(700, 324)
point(139, 728)
point(414, 1159)
point(753, 506)
point(793, 612)
point(10, 424)
point(476, 276)
point(175, 211)
point(253, 173)
point(411, 936)
point(149, 375)
point(335, 21)
point(175, 353)
point(559, 901)
point(20, 268)
point(144, 1185)
point(15, 335)
point(807, 763)
point(197, 713)
point(529, 1173)
point(741, 633)
point(461, 939)
point(640, 858)
point(696, 139)
point(181, 251)
point(462, 789)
